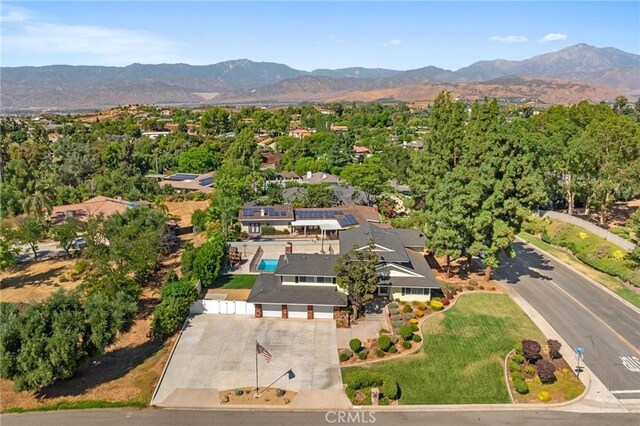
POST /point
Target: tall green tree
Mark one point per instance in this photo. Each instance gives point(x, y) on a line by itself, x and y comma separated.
point(40, 202)
point(31, 232)
point(370, 176)
point(356, 275)
point(210, 259)
point(65, 233)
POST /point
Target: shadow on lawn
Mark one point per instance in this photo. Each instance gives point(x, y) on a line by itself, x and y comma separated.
point(40, 278)
point(102, 369)
point(512, 270)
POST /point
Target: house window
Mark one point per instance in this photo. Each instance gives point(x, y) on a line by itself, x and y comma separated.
point(383, 291)
point(414, 291)
point(315, 280)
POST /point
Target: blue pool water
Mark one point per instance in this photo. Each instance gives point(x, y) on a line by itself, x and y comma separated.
point(267, 265)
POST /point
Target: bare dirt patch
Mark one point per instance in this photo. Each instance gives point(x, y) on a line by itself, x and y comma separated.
point(184, 209)
point(237, 295)
point(617, 216)
point(245, 396)
point(466, 277)
point(35, 281)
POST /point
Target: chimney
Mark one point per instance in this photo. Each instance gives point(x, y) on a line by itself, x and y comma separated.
point(262, 212)
point(288, 248)
point(309, 174)
point(119, 199)
point(324, 176)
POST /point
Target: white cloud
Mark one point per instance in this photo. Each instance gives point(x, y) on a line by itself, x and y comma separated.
point(509, 39)
point(552, 37)
point(14, 14)
point(394, 42)
point(92, 44)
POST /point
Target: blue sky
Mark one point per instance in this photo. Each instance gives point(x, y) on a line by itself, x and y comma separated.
point(307, 35)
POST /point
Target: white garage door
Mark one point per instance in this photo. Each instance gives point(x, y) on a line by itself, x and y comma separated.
point(297, 311)
point(272, 311)
point(323, 312)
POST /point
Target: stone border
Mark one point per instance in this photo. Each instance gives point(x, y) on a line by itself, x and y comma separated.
point(506, 375)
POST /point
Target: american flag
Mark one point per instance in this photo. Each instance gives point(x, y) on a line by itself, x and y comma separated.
point(260, 350)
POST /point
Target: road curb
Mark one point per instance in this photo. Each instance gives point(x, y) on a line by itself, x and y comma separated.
point(589, 279)
point(506, 375)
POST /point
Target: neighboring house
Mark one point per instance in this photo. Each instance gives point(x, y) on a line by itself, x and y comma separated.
point(270, 159)
point(93, 207)
point(335, 128)
point(155, 135)
point(300, 133)
point(319, 177)
point(414, 144)
point(252, 218)
point(345, 194)
point(304, 285)
point(305, 222)
point(361, 152)
point(188, 182)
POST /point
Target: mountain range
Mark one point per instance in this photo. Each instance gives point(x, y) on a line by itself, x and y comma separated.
point(566, 76)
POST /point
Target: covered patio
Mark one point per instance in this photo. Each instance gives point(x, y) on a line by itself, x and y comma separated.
point(324, 228)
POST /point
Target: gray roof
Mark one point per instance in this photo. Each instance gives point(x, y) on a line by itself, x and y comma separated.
point(293, 193)
point(367, 233)
point(269, 289)
point(349, 195)
point(411, 237)
point(417, 263)
point(306, 264)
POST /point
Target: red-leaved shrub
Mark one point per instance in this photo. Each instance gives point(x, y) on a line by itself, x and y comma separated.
point(444, 301)
point(545, 371)
point(531, 350)
point(554, 349)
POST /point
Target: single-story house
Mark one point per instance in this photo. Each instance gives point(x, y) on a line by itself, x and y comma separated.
point(93, 207)
point(361, 152)
point(319, 177)
point(252, 218)
point(188, 182)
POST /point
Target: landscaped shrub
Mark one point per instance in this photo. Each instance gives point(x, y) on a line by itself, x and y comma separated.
point(513, 366)
point(531, 350)
point(544, 396)
point(413, 321)
point(530, 369)
point(389, 388)
point(473, 282)
point(416, 338)
point(409, 316)
point(407, 308)
point(521, 386)
point(414, 327)
point(481, 287)
point(406, 332)
point(380, 353)
point(397, 323)
point(394, 311)
point(436, 305)
point(393, 305)
point(239, 392)
point(393, 350)
point(554, 349)
point(545, 371)
point(406, 344)
point(383, 331)
point(423, 306)
point(518, 348)
point(396, 317)
point(444, 301)
point(384, 342)
point(280, 392)
point(517, 358)
point(419, 313)
point(394, 339)
point(358, 378)
point(383, 401)
point(516, 375)
point(601, 251)
point(470, 288)
point(355, 345)
point(345, 356)
point(363, 354)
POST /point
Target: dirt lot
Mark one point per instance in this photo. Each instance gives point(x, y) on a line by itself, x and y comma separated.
point(128, 371)
point(618, 215)
point(184, 209)
point(462, 275)
point(35, 281)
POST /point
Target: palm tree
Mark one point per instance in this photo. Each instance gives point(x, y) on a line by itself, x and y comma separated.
point(40, 202)
point(159, 205)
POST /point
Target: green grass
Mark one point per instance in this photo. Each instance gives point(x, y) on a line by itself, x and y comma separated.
point(567, 386)
point(612, 283)
point(232, 282)
point(78, 405)
point(463, 353)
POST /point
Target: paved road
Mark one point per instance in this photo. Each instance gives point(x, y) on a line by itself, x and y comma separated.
point(46, 250)
point(584, 314)
point(154, 417)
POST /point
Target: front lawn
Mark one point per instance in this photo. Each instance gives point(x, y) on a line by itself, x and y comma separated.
point(234, 282)
point(462, 358)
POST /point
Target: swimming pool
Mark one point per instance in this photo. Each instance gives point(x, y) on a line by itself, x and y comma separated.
point(267, 265)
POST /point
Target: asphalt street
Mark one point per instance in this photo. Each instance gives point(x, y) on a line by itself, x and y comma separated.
point(584, 314)
point(156, 417)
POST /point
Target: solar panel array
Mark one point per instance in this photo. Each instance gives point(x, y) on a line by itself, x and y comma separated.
point(206, 181)
point(348, 220)
point(183, 176)
point(268, 211)
point(317, 214)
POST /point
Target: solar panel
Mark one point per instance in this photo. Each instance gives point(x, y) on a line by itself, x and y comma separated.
point(206, 181)
point(351, 220)
point(184, 176)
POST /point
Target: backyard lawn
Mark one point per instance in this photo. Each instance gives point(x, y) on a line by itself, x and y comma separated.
point(463, 353)
point(232, 282)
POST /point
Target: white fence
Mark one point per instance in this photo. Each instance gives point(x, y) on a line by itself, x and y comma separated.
point(222, 307)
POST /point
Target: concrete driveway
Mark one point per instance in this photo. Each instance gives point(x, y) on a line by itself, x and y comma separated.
point(217, 352)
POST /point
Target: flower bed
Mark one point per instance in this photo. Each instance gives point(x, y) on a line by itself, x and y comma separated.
point(539, 374)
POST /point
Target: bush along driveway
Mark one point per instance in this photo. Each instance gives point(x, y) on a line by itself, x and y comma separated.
point(461, 361)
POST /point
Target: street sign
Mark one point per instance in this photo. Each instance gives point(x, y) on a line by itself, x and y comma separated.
point(579, 357)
